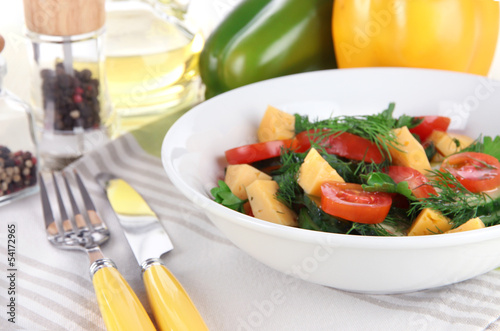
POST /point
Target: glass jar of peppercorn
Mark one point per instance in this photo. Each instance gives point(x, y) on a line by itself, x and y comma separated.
point(18, 148)
point(68, 90)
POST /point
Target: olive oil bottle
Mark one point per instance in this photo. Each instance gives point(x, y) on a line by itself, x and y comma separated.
point(151, 64)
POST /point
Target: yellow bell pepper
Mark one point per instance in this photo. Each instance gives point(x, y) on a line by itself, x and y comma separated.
point(458, 35)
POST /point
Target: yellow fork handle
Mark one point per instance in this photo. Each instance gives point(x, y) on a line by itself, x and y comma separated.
point(120, 307)
point(172, 307)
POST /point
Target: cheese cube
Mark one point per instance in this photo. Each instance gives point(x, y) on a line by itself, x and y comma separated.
point(446, 143)
point(472, 224)
point(464, 140)
point(265, 205)
point(408, 151)
point(239, 176)
point(276, 125)
point(429, 222)
point(315, 171)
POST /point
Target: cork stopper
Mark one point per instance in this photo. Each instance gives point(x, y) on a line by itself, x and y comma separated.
point(64, 17)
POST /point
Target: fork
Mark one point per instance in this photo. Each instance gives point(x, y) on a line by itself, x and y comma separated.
point(119, 305)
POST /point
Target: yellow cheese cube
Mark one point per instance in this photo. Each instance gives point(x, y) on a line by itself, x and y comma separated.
point(315, 171)
point(265, 205)
point(276, 125)
point(472, 224)
point(429, 222)
point(446, 143)
point(408, 151)
point(464, 140)
point(239, 176)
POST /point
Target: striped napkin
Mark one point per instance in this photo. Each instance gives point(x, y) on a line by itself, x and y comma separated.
point(231, 290)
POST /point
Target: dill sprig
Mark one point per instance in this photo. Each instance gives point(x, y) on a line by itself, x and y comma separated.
point(396, 223)
point(351, 171)
point(453, 200)
point(286, 177)
point(312, 217)
point(377, 128)
point(345, 168)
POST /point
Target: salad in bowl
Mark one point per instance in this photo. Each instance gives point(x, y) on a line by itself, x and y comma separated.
point(368, 175)
point(364, 136)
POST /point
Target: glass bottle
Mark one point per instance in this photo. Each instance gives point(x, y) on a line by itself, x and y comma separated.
point(18, 148)
point(152, 56)
point(69, 91)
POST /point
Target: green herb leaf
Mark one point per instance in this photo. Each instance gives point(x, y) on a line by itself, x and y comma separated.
point(302, 123)
point(408, 121)
point(403, 188)
point(492, 146)
point(381, 182)
point(430, 150)
point(487, 145)
point(223, 195)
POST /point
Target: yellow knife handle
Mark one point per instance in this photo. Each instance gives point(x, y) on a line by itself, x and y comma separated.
point(172, 307)
point(119, 306)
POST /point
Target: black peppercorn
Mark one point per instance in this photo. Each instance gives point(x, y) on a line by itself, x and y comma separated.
point(72, 98)
point(17, 171)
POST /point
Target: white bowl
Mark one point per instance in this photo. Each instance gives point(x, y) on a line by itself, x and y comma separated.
point(193, 157)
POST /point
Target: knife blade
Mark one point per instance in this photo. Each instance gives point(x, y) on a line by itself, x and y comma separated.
point(172, 307)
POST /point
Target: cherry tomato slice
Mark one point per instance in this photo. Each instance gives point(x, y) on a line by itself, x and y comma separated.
point(350, 202)
point(477, 172)
point(416, 180)
point(259, 151)
point(429, 124)
point(344, 144)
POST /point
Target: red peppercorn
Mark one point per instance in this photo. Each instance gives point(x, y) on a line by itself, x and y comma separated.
point(77, 98)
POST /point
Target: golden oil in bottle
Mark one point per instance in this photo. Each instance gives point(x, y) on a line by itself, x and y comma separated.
point(151, 65)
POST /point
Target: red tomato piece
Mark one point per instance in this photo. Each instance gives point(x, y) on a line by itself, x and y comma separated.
point(304, 139)
point(343, 144)
point(429, 124)
point(259, 151)
point(248, 209)
point(477, 172)
point(417, 182)
point(350, 202)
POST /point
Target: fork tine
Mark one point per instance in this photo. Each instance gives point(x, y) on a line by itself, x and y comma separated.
point(67, 223)
point(80, 222)
point(94, 218)
point(52, 227)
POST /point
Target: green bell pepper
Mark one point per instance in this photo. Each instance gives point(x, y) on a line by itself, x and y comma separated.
point(262, 39)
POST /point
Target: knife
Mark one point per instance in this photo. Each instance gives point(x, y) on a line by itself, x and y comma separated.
point(172, 307)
